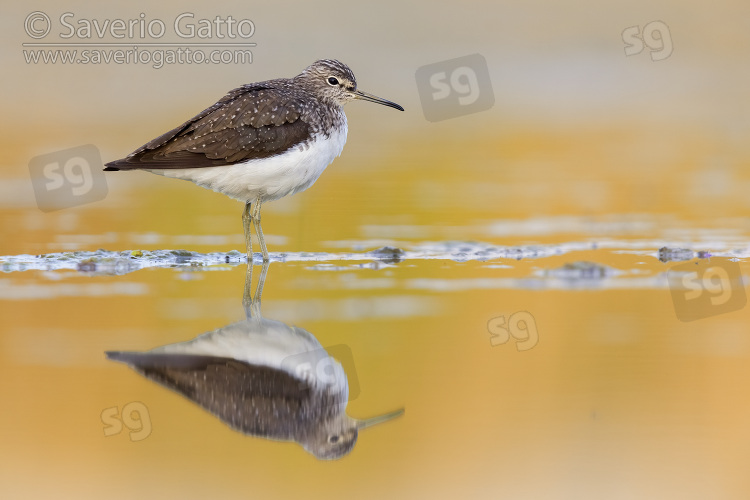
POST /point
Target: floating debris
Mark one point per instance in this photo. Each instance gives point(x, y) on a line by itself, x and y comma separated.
point(109, 262)
point(582, 271)
point(675, 254)
point(106, 265)
point(389, 255)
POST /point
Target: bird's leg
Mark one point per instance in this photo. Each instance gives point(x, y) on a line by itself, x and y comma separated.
point(261, 282)
point(247, 297)
point(246, 218)
point(247, 294)
point(258, 230)
point(250, 303)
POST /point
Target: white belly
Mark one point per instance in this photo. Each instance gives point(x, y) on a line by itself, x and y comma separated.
point(271, 178)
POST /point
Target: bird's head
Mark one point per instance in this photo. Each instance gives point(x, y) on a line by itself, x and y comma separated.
point(334, 82)
point(338, 435)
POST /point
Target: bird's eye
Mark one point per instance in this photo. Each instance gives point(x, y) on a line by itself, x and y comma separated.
point(333, 439)
point(333, 81)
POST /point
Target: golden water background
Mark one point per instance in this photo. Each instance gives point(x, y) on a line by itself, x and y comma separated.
point(619, 399)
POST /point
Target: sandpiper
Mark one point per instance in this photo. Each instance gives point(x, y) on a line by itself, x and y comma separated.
point(261, 141)
point(263, 378)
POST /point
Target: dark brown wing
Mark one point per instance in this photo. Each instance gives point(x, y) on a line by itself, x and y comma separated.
point(255, 400)
point(251, 122)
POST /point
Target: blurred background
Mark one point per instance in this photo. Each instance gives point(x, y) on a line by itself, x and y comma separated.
point(581, 148)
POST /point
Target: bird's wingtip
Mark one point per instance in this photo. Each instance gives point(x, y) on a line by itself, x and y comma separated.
point(126, 357)
point(112, 166)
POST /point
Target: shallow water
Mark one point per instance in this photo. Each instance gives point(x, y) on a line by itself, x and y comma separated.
point(554, 289)
point(567, 360)
point(535, 350)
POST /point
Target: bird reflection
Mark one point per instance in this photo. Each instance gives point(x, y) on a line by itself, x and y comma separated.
point(261, 377)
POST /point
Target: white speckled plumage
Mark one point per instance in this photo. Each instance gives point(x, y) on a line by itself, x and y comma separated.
point(263, 378)
point(270, 178)
point(260, 142)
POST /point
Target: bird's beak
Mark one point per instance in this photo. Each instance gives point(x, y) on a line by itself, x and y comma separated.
point(358, 94)
point(362, 424)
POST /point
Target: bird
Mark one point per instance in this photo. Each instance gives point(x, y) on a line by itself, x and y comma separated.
point(261, 141)
point(263, 378)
